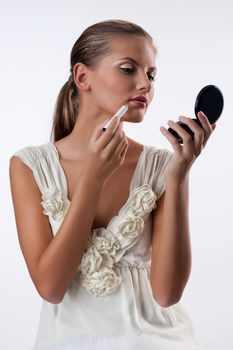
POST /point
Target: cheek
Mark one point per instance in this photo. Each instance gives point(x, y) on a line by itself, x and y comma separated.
point(113, 83)
point(110, 89)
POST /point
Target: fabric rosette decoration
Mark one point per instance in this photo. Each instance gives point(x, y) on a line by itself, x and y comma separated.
point(142, 200)
point(107, 246)
point(55, 204)
point(96, 265)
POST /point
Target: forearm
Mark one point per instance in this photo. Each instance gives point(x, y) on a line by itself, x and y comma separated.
point(59, 262)
point(172, 267)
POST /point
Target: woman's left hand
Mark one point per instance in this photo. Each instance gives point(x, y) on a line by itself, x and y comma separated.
point(186, 154)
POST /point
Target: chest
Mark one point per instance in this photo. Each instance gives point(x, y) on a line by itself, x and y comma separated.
point(114, 194)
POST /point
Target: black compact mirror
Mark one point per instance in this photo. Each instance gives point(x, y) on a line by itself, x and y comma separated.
point(210, 101)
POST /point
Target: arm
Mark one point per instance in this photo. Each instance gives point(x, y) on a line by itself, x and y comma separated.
point(171, 248)
point(59, 261)
point(52, 262)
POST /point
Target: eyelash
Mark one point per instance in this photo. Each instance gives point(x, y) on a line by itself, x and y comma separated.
point(132, 70)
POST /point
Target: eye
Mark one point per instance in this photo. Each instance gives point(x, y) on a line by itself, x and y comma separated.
point(127, 69)
point(131, 70)
point(151, 77)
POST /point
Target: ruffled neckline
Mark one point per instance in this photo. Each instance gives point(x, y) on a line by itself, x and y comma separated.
point(143, 152)
point(106, 245)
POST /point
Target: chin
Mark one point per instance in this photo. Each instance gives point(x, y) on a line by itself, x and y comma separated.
point(134, 116)
point(138, 119)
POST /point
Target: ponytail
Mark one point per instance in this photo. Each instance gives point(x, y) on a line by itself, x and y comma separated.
point(66, 110)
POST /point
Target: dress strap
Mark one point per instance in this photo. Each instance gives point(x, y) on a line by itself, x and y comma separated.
point(152, 167)
point(41, 160)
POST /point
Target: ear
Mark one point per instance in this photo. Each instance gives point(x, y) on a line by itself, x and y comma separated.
point(81, 76)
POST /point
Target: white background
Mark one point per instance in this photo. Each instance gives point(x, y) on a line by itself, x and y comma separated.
point(194, 39)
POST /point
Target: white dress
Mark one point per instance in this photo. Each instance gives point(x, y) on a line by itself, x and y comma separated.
point(109, 304)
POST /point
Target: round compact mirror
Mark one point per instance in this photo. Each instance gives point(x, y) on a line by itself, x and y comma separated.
point(210, 101)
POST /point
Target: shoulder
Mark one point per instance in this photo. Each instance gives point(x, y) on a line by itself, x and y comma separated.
point(153, 167)
point(159, 151)
point(21, 171)
point(29, 154)
point(156, 155)
point(31, 165)
point(32, 148)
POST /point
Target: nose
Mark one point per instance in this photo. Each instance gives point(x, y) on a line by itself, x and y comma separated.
point(143, 83)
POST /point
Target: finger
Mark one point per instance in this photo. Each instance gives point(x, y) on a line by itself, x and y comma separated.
point(112, 121)
point(112, 144)
point(204, 122)
point(99, 129)
point(124, 151)
point(97, 133)
point(213, 126)
point(120, 146)
point(113, 125)
point(206, 126)
point(171, 138)
point(108, 135)
point(199, 132)
point(188, 143)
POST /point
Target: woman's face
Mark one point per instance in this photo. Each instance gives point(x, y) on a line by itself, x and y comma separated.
point(127, 72)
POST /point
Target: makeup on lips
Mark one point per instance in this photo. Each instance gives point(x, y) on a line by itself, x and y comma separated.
point(139, 101)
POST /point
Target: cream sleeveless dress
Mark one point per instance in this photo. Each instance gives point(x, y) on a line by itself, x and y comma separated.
point(109, 304)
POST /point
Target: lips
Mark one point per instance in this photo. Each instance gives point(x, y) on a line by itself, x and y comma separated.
point(140, 99)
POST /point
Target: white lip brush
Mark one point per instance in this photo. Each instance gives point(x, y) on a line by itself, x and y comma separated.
point(118, 114)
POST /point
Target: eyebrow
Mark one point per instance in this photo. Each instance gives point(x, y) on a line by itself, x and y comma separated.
point(135, 62)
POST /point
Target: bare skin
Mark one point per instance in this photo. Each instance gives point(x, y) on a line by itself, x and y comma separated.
point(116, 186)
point(103, 165)
point(94, 162)
point(102, 91)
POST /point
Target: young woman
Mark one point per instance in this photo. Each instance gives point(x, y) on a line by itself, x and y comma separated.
point(102, 220)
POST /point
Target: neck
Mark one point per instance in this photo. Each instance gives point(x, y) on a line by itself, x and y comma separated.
point(76, 143)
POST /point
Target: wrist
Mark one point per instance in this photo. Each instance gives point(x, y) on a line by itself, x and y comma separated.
point(177, 181)
point(89, 179)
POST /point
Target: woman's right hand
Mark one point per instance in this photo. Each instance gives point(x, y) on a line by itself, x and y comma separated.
point(106, 150)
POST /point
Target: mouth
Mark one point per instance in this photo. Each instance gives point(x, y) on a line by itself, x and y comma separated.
point(139, 101)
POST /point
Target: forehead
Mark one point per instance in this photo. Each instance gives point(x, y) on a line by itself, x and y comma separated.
point(135, 46)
